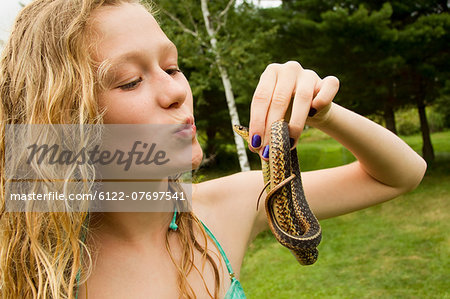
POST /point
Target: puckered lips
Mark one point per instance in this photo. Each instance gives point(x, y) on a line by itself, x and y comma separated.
point(187, 129)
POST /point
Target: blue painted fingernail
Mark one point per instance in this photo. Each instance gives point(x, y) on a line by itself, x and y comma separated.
point(256, 141)
point(292, 141)
point(312, 112)
point(266, 152)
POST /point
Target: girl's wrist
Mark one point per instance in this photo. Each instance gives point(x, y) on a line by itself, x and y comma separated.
point(322, 118)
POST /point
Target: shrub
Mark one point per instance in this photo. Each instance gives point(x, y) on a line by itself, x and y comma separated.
point(408, 122)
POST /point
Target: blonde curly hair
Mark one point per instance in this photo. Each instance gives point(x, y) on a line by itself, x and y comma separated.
point(47, 76)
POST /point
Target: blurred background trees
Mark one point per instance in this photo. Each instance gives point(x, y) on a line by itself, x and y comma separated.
point(392, 58)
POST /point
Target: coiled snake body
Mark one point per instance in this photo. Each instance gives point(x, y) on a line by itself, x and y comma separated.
point(289, 216)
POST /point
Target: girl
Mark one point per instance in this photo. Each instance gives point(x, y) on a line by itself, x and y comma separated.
point(108, 61)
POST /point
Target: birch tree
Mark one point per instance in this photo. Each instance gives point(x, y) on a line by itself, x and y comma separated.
point(211, 30)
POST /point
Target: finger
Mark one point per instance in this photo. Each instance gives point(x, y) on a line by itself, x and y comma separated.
point(305, 91)
point(260, 106)
point(328, 89)
point(282, 95)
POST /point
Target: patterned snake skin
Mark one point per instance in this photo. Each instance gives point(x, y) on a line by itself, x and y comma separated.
point(289, 216)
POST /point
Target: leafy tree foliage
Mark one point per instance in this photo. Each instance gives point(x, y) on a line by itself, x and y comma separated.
point(387, 54)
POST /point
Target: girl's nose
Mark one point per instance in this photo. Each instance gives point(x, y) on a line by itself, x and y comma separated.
point(172, 91)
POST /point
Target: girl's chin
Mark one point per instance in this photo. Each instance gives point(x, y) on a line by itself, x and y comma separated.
point(197, 155)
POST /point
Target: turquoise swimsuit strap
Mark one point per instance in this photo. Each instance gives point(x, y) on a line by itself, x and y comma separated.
point(222, 252)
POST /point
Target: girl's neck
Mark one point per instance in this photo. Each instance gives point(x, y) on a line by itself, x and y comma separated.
point(132, 227)
point(136, 219)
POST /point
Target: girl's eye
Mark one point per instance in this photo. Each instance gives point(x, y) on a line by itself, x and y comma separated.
point(173, 71)
point(131, 85)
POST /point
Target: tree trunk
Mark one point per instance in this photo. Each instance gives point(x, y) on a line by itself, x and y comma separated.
point(389, 115)
point(427, 147)
point(240, 146)
point(389, 118)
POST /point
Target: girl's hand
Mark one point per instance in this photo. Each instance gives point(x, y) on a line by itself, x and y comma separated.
point(279, 83)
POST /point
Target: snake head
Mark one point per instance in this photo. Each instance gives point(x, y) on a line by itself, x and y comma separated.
point(241, 131)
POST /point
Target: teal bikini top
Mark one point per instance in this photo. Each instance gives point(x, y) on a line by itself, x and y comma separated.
point(234, 292)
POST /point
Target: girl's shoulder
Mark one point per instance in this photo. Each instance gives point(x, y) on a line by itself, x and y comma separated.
point(228, 191)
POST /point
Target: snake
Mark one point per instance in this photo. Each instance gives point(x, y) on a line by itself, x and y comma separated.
point(289, 216)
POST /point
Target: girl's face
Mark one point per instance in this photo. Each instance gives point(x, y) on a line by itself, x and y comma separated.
point(144, 84)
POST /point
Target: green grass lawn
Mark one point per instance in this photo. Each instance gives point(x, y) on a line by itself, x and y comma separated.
point(399, 249)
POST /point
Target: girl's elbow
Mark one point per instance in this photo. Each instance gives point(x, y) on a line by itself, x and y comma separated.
point(419, 169)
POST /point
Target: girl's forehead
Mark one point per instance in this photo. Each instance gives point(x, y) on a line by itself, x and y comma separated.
point(128, 27)
point(126, 17)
